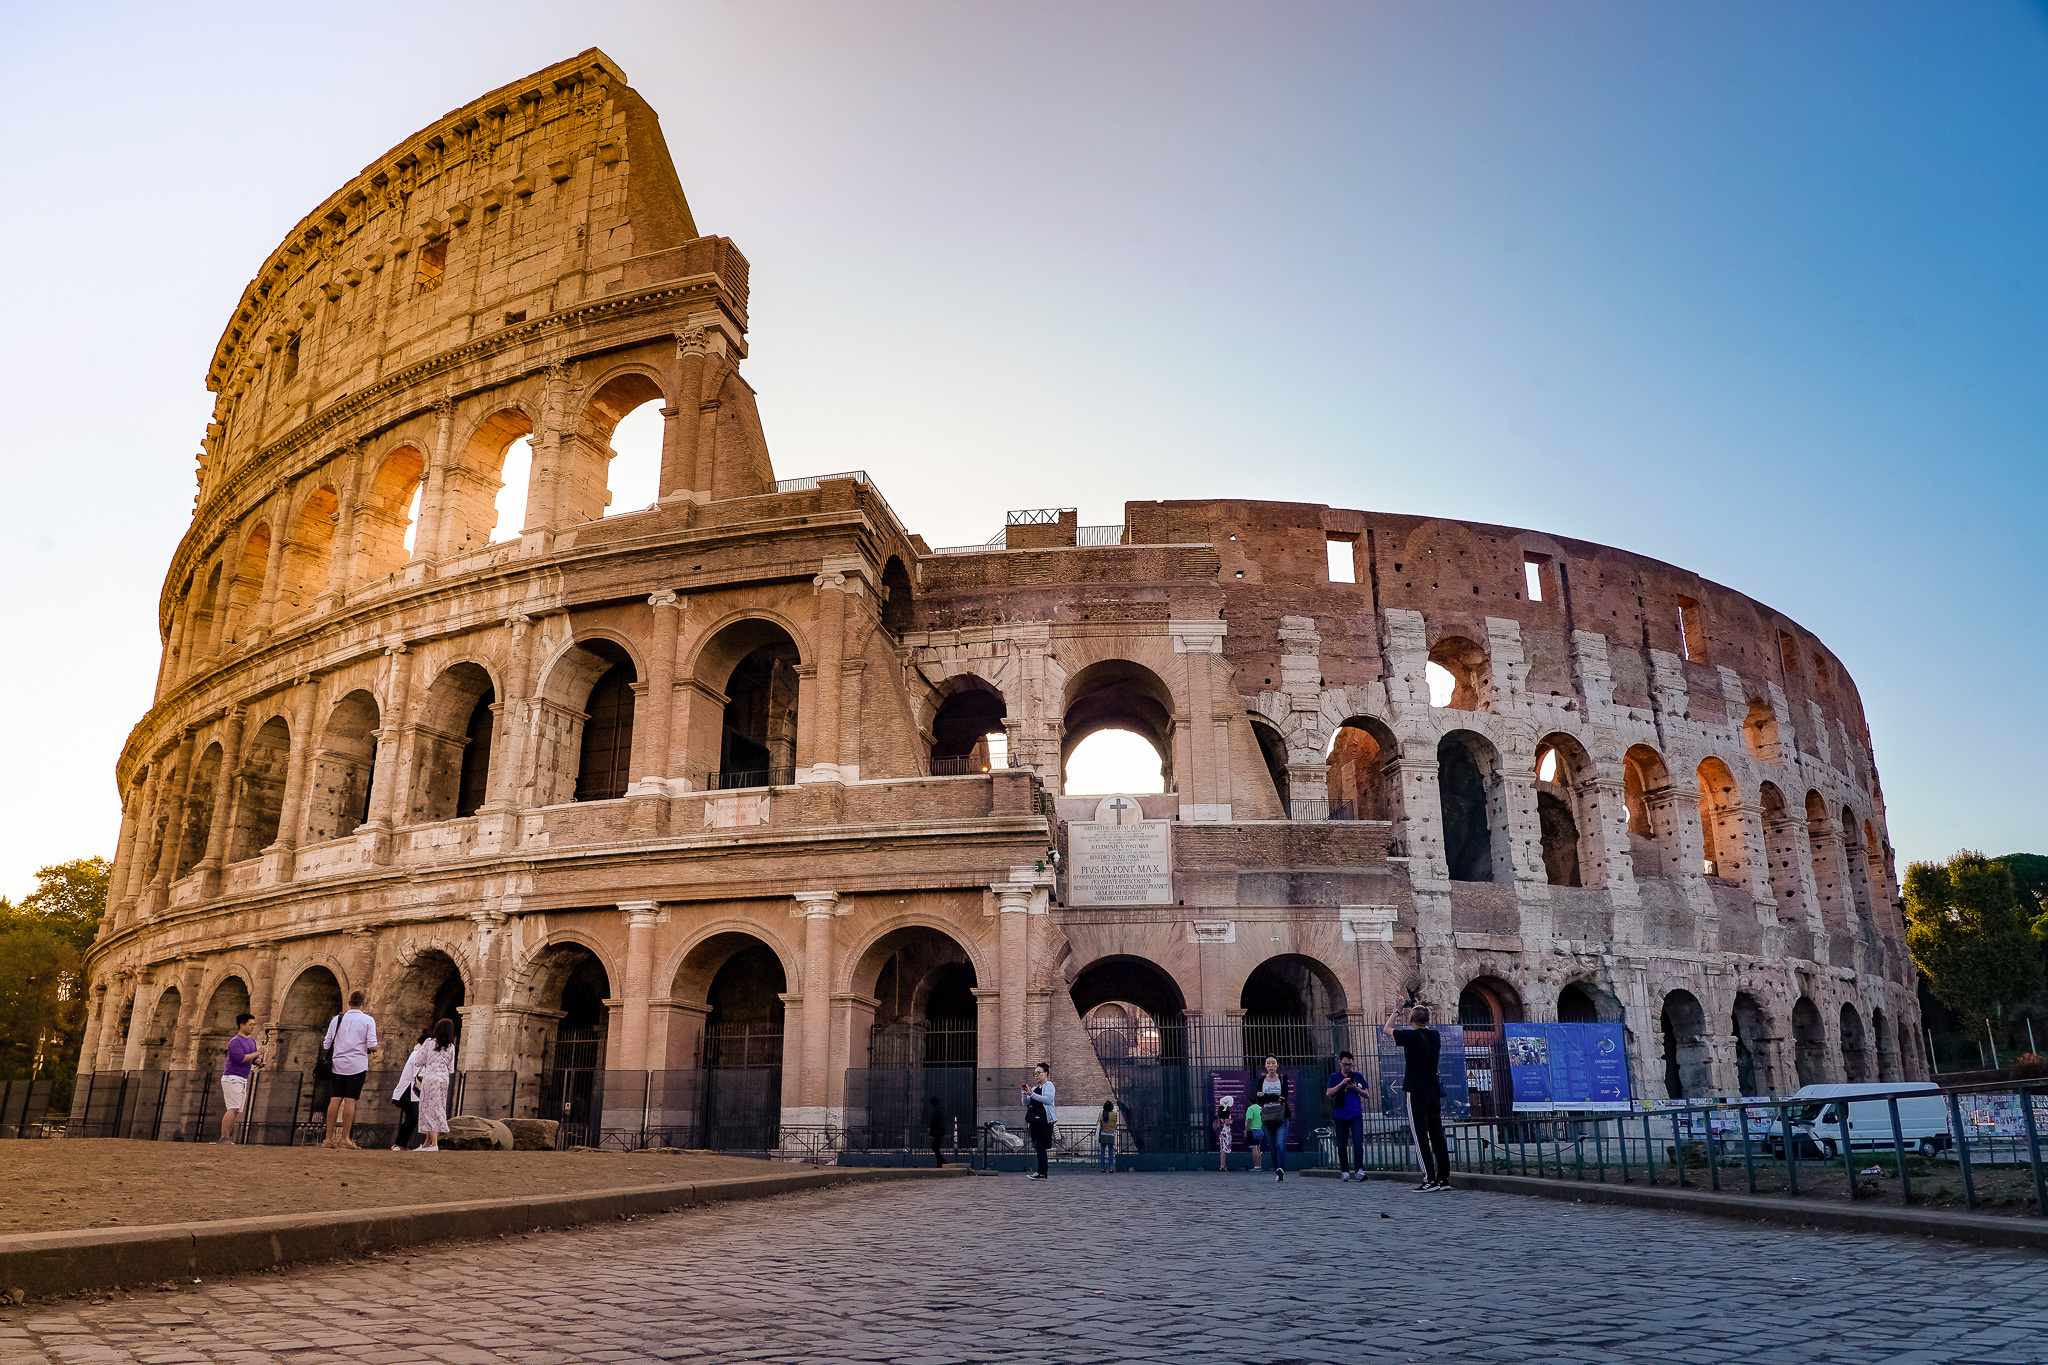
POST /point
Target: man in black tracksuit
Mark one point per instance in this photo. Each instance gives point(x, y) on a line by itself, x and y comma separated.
point(1420, 1044)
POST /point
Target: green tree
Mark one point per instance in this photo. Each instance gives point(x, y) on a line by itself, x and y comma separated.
point(1969, 936)
point(43, 942)
point(42, 1005)
point(2030, 872)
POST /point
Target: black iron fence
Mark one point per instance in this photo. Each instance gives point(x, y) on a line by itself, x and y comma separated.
point(22, 1107)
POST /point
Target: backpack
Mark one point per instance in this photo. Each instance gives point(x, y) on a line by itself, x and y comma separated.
point(323, 1065)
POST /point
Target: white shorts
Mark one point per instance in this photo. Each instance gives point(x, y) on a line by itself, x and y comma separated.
point(234, 1090)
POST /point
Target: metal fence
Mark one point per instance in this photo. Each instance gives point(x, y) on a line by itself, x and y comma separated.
point(281, 1108)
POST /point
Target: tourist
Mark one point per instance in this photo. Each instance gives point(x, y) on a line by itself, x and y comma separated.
point(935, 1129)
point(437, 1070)
point(406, 1095)
point(1347, 1106)
point(352, 1035)
point(1419, 1044)
point(1105, 1137)
point(1223, 1110)
point(1039, 1114)
point(244, 1053)
point(1274, 1110)
point(1255, 1134)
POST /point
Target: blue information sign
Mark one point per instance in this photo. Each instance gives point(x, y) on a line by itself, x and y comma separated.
point(1568, 1066)
point(1450, 1071)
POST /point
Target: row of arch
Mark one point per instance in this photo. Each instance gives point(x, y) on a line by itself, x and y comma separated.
point(355, 525)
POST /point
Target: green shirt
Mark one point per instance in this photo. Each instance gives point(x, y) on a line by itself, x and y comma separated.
point(1252, 1121)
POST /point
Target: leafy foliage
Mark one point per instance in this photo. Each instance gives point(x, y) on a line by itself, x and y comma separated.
point(43, 942)
point(1968, 935)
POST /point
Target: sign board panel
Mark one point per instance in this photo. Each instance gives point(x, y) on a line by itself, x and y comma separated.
point(1579, 1067)
point(1127, 864)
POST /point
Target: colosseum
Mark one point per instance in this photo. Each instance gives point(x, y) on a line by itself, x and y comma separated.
point(640, 793)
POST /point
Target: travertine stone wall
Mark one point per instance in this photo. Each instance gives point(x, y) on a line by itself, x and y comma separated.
point(573, 772)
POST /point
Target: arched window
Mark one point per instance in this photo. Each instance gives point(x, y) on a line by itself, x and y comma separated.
point(1856, 868)
point(1565, 810)
point(1273, 750)
point(1723, 832)
point(198, 823)
point(385, 520)
point(452, 745)
point(308, 553)
point(1361, 751)
point(622, 428)
point(1468, 786)
point(344, 769)
point(1458, 675)
point(743, 708)
point(484, 493)
point(246, 592)
point(201, 637)
point(1829, 875)
point(1646, 788)
point(1887, 1047)
point(1688, 1069)
point(1755, 1066)
point(897, 604)
point(605, 768)
point(1855, 1048)
point(967, 733)
point(264, 767)
point(1809, 1043)
point(1116, 695)
point(1782, 833)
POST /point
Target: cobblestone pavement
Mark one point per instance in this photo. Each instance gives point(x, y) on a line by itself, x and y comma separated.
point(1203, 1269)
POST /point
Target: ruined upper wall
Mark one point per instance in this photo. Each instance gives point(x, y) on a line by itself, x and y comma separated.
point(545, 192)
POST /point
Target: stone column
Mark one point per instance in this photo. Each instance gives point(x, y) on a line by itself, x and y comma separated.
point(830, 590)
point(679, 480)
point(633, 1015)
point(273, 566)
point(185, 1035)
point(95, 1024)
point(139, 1019)
point(819, 909)
point(113, 1039)
point(479, 1015)
point(432, 531)
point(654, 737)
point(176, 799)
point(125, 855)
point(224, 783)
point(1013, 912)
point(280, 859)
point(341, 562)
point(1205, 790)
point(988, 1027)
point(509, 735)
point(263, 989)
point(386, 779)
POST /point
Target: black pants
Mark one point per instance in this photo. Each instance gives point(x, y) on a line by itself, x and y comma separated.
point(1350, 1143)
point(1041, 1138)
point(1426, 1115)
point(408, 1123)
point(937, 1160)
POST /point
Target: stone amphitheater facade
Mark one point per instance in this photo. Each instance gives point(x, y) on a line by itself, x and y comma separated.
point(631, 774)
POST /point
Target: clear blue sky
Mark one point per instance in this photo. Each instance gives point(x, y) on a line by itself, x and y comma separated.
point(1760, 289)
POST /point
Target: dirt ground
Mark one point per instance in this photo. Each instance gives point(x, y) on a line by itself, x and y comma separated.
point(112, 1182)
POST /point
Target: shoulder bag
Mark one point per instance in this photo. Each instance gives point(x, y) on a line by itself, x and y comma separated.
point(323, 1065)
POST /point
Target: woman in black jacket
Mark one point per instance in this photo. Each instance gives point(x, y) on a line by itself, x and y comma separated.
point(1275, 1099)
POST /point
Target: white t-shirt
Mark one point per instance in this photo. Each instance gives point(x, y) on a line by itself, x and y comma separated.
point(351, 1036)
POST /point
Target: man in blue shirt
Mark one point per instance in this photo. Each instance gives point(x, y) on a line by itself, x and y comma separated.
point(1346, 1093)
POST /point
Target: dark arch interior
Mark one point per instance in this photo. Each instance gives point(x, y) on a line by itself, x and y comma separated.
point(758, 746)
point(896, 597)
point(1468, 842)
point(1144, 984)
point(965, 721)
point(605, 767)
point(1575, 1006)
point(1273, 749)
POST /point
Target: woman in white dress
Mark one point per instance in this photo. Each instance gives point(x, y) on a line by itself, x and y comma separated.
point(437, 1069)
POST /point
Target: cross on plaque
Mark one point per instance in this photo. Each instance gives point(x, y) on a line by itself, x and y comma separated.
point(1120, 806)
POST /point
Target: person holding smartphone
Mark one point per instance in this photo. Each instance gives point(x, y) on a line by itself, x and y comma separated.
point(1420, 1044)
point(1347, 1092)
point(1039, 1114)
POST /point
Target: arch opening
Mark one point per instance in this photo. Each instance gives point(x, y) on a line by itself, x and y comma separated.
point(1887, 1047)
point(1273, 753)
point(1756, 1070)
point(217, 1025)
point(967, 732)
point(429, 990)
point(1688, 1062)
point(1486, 1006)
point(1469, 790)
point(388, 518)
point(623, 422)
point(1809, 1043)
point(560, 1050)
point(1647, 793)
point(198, 823)
point(452, 745)
point(1458, 675)
point(1760, 732)
point(1116, 695)
point(1781, 833)
point(926, 1014)
point(1855, 1047)
point(308, 552)
point(162, 1029)
point(1723, 831)
point(1362, 754)
point(261, 807)
point(898, 606)
point(344, 769)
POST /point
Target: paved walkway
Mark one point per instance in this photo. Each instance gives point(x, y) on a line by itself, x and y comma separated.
point(1086, 1268)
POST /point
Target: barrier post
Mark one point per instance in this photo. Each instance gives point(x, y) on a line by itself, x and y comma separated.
point(1791, 1149)
point(2033, 1148)
point(1748, 1149)
point(1955, 1118)
point(1848, 1156)
point(1899, 1151)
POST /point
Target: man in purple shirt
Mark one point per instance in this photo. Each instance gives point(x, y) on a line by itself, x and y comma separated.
point(244, 1053)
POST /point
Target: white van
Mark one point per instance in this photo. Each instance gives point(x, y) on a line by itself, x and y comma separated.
point(1816, 1118)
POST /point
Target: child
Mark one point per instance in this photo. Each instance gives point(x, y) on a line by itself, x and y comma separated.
point(1223, 1116)
point(1105, 1137)
point(1254, 1134)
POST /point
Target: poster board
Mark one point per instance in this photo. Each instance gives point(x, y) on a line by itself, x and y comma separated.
point(1582, 1068)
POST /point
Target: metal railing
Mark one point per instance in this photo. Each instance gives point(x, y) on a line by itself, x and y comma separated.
point(749, 777)
point(1992, 1148)
point(859, 476)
